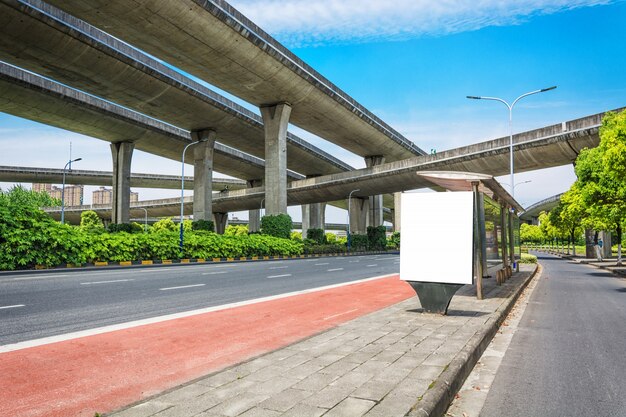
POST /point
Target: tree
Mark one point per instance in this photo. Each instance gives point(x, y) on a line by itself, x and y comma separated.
point(601, 176)
point(530, 233)
point(572, 213)
point(89, 221)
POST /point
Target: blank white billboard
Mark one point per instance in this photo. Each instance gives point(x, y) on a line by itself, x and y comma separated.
point(436, 240)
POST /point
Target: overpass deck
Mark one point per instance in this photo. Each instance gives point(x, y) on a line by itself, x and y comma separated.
point(47, 41)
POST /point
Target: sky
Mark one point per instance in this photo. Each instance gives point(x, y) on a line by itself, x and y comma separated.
point(412, 63)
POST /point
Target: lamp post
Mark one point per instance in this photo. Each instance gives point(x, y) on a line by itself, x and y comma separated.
point(182, 189)
point(510, 107)
point(145, 220)
point(63, 188)
point(349, 200)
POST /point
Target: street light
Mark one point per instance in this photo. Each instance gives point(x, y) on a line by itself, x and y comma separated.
point(349, 200)
point(63, 188)
point(510, 107)
point(145, 221)
point(182, 189)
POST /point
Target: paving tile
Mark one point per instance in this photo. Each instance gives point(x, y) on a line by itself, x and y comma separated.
point(315, 382)
point(305, 410)
point(273, 386)
point(329, 396)
point(146, 409)
point(286, 399)
point(260, 412)
point(392, 406)
point(238, 405)
point(185, 393)
point(351, 407)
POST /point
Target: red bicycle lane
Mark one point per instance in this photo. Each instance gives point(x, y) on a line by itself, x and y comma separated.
point(104, 372)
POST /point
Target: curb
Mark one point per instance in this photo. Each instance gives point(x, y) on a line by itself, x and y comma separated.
point(179, 262)
point(436, 400)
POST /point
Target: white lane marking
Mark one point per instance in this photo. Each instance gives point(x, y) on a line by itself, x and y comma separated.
point(311, 260)
point(340, 314)
point(369, 266)
point(334, 269)
point(129, 325)
point(41, 277)
point(226, 266)
point(279, 276)
point(182, 286)
point(13, 306)
point(106, 282)
point(325, 263)
point(278, 267)
point(215, 273)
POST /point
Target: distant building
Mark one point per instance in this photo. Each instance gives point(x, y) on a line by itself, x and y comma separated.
point(105, 196)
point(73, 193)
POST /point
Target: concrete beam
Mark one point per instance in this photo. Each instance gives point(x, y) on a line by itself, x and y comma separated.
point(47, 41)
point(33, 97)
point(122, 154)
point(239, 57)
point(276, 119)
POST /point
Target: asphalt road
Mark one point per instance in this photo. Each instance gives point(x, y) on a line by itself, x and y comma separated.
point(567, 357)
point(38, 305)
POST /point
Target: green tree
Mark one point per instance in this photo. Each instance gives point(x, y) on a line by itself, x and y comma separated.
point(91, 222)
point(601, 173)
point(166, 224)
point(530, 233)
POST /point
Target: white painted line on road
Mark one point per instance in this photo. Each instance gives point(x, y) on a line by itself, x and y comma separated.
point(226, 266)
point(340, 314)
point(129, 325)
point(13, 306)
point(106, 282)
point(41, 277)
point(325, 263)
point(215, 273)
point(182, 286)
point(334, 269)
point(278, 267)
point(369, 266)
point(279, 276)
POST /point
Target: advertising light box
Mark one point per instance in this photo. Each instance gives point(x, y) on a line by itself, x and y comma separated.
point(436, 241)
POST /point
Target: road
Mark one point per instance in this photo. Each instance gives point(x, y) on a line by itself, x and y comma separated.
point(34, 305)
point(567, 356)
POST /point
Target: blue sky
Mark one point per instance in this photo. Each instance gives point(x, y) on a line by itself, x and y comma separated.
point(412, 63)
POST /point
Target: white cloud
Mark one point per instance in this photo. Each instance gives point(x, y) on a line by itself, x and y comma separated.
point(307, 22)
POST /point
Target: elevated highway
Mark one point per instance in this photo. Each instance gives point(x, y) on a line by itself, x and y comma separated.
point(540, 148)
point(36, 98)
point(44, 40)
point(213, 41)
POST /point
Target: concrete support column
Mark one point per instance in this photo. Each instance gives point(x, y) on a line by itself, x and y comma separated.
point(254, 216)
point(397, 211)
point(359, 208)
point(203, 174)
point(220, 221)
point(275, 120)
point(375, 217)
point(306, 219)
point(313, 217)
point(122, 154)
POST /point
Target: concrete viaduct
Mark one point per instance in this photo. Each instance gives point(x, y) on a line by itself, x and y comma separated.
point(92, 83)
point(47, 41)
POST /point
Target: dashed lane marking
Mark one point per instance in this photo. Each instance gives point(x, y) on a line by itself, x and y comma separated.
point(181, 287)
point(279, 276)
point(106, 282)
point(334, 269)
point(13, 306)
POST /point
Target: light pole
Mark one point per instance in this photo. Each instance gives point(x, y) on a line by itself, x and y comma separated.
point(63, 188)
point(182, 189)
point(145, 220)
point(510, 107)
point(349, 200)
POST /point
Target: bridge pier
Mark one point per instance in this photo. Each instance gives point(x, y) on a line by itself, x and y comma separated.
point(203, 174)
point(375, 217)
point(359, 208)
point(122, 154)
point(254, 216)
point(275, 120)
point(397, 211)
point(220, 220)
point(313, 217)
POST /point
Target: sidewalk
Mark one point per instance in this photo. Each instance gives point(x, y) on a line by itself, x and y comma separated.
point(393, 362)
